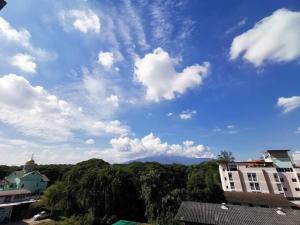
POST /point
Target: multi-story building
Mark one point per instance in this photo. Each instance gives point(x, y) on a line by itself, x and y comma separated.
point(274, 174)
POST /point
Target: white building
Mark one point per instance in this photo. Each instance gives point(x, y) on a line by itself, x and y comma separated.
point(275, 174)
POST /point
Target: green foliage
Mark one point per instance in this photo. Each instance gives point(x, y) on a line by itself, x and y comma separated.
point(6, 170)
point(98, 193)
point(225, 156)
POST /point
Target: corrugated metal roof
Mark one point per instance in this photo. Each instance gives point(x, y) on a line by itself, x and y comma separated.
point(14, 192)
point(208, 213)
point(257, 199)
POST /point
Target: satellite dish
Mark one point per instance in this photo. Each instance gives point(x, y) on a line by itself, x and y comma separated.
point(2, 4)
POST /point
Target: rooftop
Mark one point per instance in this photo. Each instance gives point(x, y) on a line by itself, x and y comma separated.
point(258, 199)
point(217, 214)
point(14, 192)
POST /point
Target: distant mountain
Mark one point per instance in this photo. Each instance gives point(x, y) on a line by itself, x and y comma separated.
point(169, 159)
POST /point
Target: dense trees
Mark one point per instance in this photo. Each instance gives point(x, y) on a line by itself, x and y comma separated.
point(94, 192)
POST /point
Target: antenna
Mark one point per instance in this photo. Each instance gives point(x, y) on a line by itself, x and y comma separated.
point(32, 156)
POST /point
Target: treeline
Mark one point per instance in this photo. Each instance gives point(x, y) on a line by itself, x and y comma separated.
point(94, 192)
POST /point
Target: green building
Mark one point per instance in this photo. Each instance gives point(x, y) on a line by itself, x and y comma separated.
point(28, 178)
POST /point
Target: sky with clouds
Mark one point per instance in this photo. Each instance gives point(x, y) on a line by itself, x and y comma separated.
point(121, 80)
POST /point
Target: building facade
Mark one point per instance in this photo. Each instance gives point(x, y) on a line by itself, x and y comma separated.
point(274, 174)
point(10, 199)
point(28, 178)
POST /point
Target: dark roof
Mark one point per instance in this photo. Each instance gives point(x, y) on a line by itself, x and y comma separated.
point(209, 213)
point(14, 192)
point(257, 199)
point(277, 150)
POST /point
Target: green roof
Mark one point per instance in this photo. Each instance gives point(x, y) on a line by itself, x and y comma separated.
point(125, 222)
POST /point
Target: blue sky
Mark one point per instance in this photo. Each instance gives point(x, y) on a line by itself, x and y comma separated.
point(121, 80)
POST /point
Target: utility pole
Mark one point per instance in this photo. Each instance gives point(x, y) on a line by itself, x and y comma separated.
point(2, 4)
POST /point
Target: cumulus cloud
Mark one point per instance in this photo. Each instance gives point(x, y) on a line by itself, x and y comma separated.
point(288, 104)
point(24, 62)
point(187, 114)
point(122, 149)
point(151, 145)
point(275, 38)
point(90, 141)
point(11, 37)
point(82, 20)
point(114, 100)
point(34, 111)
point(297, 130)
point(106, 59)
point(156, 71)
point(9, 33)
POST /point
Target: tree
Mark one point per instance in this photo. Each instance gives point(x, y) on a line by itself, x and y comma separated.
point(53, 198)
point(225, 156)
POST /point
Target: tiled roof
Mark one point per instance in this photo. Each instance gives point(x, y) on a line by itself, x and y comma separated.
point(208, 213)
point(257, 199)
point(14, 192)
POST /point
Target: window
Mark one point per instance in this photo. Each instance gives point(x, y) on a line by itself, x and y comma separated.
point(226, 187)
point(281, 179)
point(22, 185)
point(252, 176)
point(230, 176)
point(225, 178)
point(298, 176)
point(297, 189)
point(284, 169)
point(276, 177)
point(285, 189)
point(232, 185)
point(294, 179)
point(254, 186)
point(232, 167)
point(279, 187)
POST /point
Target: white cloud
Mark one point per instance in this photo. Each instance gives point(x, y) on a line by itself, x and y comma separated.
point(235, 27)
point(297, 130)
point(24, 62)
point(187, 114)
point(106, 59)
point(275, 38)
point(114, 100)
point(170, 114)
point(9, 33)
point(288, 104)
point(35, 112)
point(156, 71)
point(122, 149)
point(11, 38)
point(127, 148)
point(82, 20)
point(230, 126)
point(90, 141)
